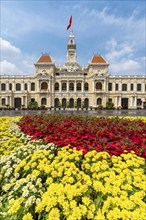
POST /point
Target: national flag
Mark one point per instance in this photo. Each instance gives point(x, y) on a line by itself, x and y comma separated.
point(70, 23)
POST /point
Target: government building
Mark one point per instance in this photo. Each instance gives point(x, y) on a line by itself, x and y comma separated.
point(73, 86)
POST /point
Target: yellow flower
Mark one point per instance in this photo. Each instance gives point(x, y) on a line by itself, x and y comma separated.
point(15, 205)
point(27, 216)
point(54, 214)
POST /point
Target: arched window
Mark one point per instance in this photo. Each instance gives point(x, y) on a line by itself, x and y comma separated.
point(98, 86)
point(86, 102)
point(78, 86)
point(56, 103)
point(3, 86)
point(63, 102)
point(86, 87)
point(44, 86)
point(71, 103)
point(99, 101)
point(43, 101)
point(124, 87)
point(18, 86)
point(56, 86)
point(64, 87)
point(79, 103)
point(71, 87)
point(32, 86)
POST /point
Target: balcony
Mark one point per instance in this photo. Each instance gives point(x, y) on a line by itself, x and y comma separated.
point(44, 91)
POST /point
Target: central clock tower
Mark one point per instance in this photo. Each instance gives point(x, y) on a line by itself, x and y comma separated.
point(71, 49)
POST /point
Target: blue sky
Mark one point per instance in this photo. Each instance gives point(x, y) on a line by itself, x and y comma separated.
point(115, 29)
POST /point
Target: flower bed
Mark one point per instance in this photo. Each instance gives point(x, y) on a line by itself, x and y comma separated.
point(41, 181)
point(113, 135)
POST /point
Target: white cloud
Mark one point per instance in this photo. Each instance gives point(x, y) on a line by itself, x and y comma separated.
point(122, 58)
point(126, 67)
point(8, 68)
point(8, 51)
point(118, 51)
point(13, 61)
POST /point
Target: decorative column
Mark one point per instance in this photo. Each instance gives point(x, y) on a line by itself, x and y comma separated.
point(22, 100)
point(67, 85)
point(119, 103)
point(13, 85)
point(6, 100)
point(128, 87)
point(135, 100)
point(135, 89)
point(120, 86)
point(26, 101)
point(75, 86)
point(116, 101)
point(22, 85)
point(82, 87)
point(104, 86)
point(93, 86)
point(59, 86)
point(7, 85)
point(131, 101)
point(10, 101)
point(28, 86)
point(114, 86)
point(143, 87)
point(38, 86)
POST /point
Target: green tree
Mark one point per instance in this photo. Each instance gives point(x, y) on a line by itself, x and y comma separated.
point(109, 105)
point(33, 104)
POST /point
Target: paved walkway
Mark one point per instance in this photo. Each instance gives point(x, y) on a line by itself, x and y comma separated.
point(123, 112)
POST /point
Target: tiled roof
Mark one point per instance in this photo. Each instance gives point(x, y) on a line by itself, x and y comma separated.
point(98, 59)
point(45, 58)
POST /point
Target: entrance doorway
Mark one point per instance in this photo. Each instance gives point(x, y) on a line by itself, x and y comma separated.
point(125, 103)
point(17, 102)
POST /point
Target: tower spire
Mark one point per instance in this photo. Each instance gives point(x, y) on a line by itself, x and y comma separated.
point(71, 49)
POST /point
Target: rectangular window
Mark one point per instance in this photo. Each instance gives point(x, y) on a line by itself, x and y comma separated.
point(18, 87)
point(138, 87)
point(110, 87)
point(117, 87)
point(139, 102)
point(3, 102)
point(131, 87)
point(3, 87)
point(124, 87)
point(25, 86)
point(32, 86)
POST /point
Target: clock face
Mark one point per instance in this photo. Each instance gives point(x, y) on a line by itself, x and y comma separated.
point(72, 68)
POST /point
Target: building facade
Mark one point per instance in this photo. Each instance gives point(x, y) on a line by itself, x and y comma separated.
point(72, 85)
